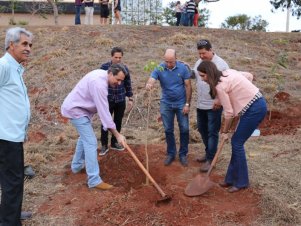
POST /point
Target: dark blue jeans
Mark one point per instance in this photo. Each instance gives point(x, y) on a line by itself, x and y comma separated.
point(209, 124)
point(237, 174)
point(168, 113)
point(190, 17)
point(77, 14)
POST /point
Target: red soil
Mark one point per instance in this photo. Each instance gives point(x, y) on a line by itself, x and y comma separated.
point(131, 202)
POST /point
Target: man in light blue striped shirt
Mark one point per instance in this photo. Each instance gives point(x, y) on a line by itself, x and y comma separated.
point(14, 119)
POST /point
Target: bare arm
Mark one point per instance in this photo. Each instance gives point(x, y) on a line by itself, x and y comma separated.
point(188, 96)
point(150, 83)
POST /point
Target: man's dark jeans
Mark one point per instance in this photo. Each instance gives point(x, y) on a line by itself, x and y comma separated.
point(118, 110)
point(12, 181)
point(209, 124)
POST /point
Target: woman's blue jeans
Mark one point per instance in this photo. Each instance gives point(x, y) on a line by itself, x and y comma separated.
point(86, 151)
point(209, 124)
point(237, 174)
point(168, 113)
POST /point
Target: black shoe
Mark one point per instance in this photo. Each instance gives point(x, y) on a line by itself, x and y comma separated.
point(183, 160)
point(205, 167)
point(25, 215)
point(169, 159)
point(28, 172)
point(104, 149)
point(201, 159)
point(117, 147)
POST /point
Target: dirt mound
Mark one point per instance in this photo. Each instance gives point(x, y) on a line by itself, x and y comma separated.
point(131, 202)
point(286, 121)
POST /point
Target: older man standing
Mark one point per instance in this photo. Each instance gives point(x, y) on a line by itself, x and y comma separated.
point(14, 120)
point(175, 83)
point(208, 112)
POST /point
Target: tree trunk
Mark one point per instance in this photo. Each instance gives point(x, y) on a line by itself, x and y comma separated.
point(55, 11)
point(288, 13)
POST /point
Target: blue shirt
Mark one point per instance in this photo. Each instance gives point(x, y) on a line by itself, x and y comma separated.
point(172, 82)
point(117, 94)
point(14, 102)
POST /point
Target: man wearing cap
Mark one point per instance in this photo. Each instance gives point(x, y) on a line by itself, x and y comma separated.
point(208, 111)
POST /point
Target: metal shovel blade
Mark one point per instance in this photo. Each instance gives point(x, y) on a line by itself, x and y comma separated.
point(199, 185)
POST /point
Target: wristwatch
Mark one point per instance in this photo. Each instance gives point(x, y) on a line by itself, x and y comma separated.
point(187, 104)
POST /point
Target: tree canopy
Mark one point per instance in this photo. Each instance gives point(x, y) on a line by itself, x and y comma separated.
point(295, 6)
point(244, 22)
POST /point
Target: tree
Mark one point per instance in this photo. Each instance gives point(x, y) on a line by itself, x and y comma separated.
point(243, 22)
point(292, 6)
point(53, 3)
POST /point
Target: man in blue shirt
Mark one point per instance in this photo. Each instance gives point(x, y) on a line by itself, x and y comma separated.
point(14, 119)
point(175, 83)
point(117, 101)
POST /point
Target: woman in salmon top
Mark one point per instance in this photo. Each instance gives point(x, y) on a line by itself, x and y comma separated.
point(239, 97)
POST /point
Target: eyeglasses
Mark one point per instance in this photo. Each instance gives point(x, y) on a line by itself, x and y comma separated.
point(203, 44)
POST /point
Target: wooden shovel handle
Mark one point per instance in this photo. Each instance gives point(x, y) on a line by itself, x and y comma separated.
point(216, 156)
point(145, 171)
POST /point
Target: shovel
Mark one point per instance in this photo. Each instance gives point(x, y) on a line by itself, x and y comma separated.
point(201, 184)
point(164, 197)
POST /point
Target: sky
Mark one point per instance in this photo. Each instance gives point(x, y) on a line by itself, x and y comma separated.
point(219, 11)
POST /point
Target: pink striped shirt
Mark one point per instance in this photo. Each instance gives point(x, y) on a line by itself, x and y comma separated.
point(88, 97)
point(235, 91)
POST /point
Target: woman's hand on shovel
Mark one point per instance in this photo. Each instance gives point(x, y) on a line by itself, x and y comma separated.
point(225, 136)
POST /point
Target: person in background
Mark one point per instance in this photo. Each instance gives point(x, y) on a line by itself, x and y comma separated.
point(239, 97)
point(175, 83)
point(14, 120)
point(117, 10)
point(87, 98)
point(208, 112)
point(183, 20)
point(89, 11)
point(196, 16)
point(190, 9)
point(178, 10)
point(104, 11)
point(78, 5)
point(117, 101)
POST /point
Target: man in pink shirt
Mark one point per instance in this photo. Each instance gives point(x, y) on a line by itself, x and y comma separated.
point(87, 98)
point(239, 97)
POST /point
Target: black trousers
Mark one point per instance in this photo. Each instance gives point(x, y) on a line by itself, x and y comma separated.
point(12, 182)
point(116, 109)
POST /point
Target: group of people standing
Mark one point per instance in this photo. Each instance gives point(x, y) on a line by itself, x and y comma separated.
point(219, 90)
point(187, 14)
point(104, 5)
point(104, 91)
